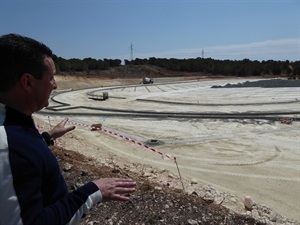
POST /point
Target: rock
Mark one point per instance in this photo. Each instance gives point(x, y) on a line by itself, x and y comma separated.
point(209, 195)
point(233, 199)
point(194, 181)
point(194, 193)
point(248, 202)
point(255, 214)
point(192, 222)
point(158, 188)
point(170, 175)
point(147, 174)
point(67, 167)
point(273, 216)
point(218, 200)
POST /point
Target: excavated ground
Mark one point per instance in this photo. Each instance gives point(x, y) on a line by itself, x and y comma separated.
point(150, 204)
point(157, 202)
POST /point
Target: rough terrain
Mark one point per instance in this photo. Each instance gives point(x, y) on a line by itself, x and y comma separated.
point(150, 204)
point(154, 202)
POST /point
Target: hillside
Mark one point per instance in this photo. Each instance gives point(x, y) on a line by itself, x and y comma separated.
point(138, 71)
point(152, 203)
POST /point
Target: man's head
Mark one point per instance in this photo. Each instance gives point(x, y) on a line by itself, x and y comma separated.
point(19, 55)
point(26, 71)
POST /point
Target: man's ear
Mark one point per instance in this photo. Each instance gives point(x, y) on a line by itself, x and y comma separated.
point(27, 81)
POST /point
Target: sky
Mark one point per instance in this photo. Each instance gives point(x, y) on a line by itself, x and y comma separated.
point(181, 29)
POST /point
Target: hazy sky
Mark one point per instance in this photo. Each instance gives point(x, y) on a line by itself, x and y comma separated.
point(219, 29)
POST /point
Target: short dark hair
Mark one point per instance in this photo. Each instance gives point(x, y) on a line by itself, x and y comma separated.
point(19, 55)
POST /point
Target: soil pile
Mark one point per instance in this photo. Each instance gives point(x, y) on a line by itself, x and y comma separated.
point(150, 204)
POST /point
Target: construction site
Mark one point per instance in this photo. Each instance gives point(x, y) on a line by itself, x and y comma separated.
point(243, 139)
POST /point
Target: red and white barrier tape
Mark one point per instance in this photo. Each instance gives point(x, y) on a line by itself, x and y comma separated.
point(166, 182)
point(123, 137)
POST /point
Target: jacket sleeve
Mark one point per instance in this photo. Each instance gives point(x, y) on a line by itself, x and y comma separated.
point(86, 207)
point(68, 210)
point(42, 197)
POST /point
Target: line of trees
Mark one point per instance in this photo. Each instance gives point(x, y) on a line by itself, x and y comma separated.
point(243, 67)
point(87, 64)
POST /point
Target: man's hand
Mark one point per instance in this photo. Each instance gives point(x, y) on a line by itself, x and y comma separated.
point(60, 129)
point(115, 188)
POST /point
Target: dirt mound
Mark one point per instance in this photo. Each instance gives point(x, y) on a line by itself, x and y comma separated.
point(150, 204)
point(133, 71)
point(270, 83)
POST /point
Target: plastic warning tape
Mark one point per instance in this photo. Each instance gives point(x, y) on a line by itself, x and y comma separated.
point(123, 137)
point(164, 182)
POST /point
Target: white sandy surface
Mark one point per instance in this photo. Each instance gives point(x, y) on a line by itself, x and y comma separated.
point(260, 158)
